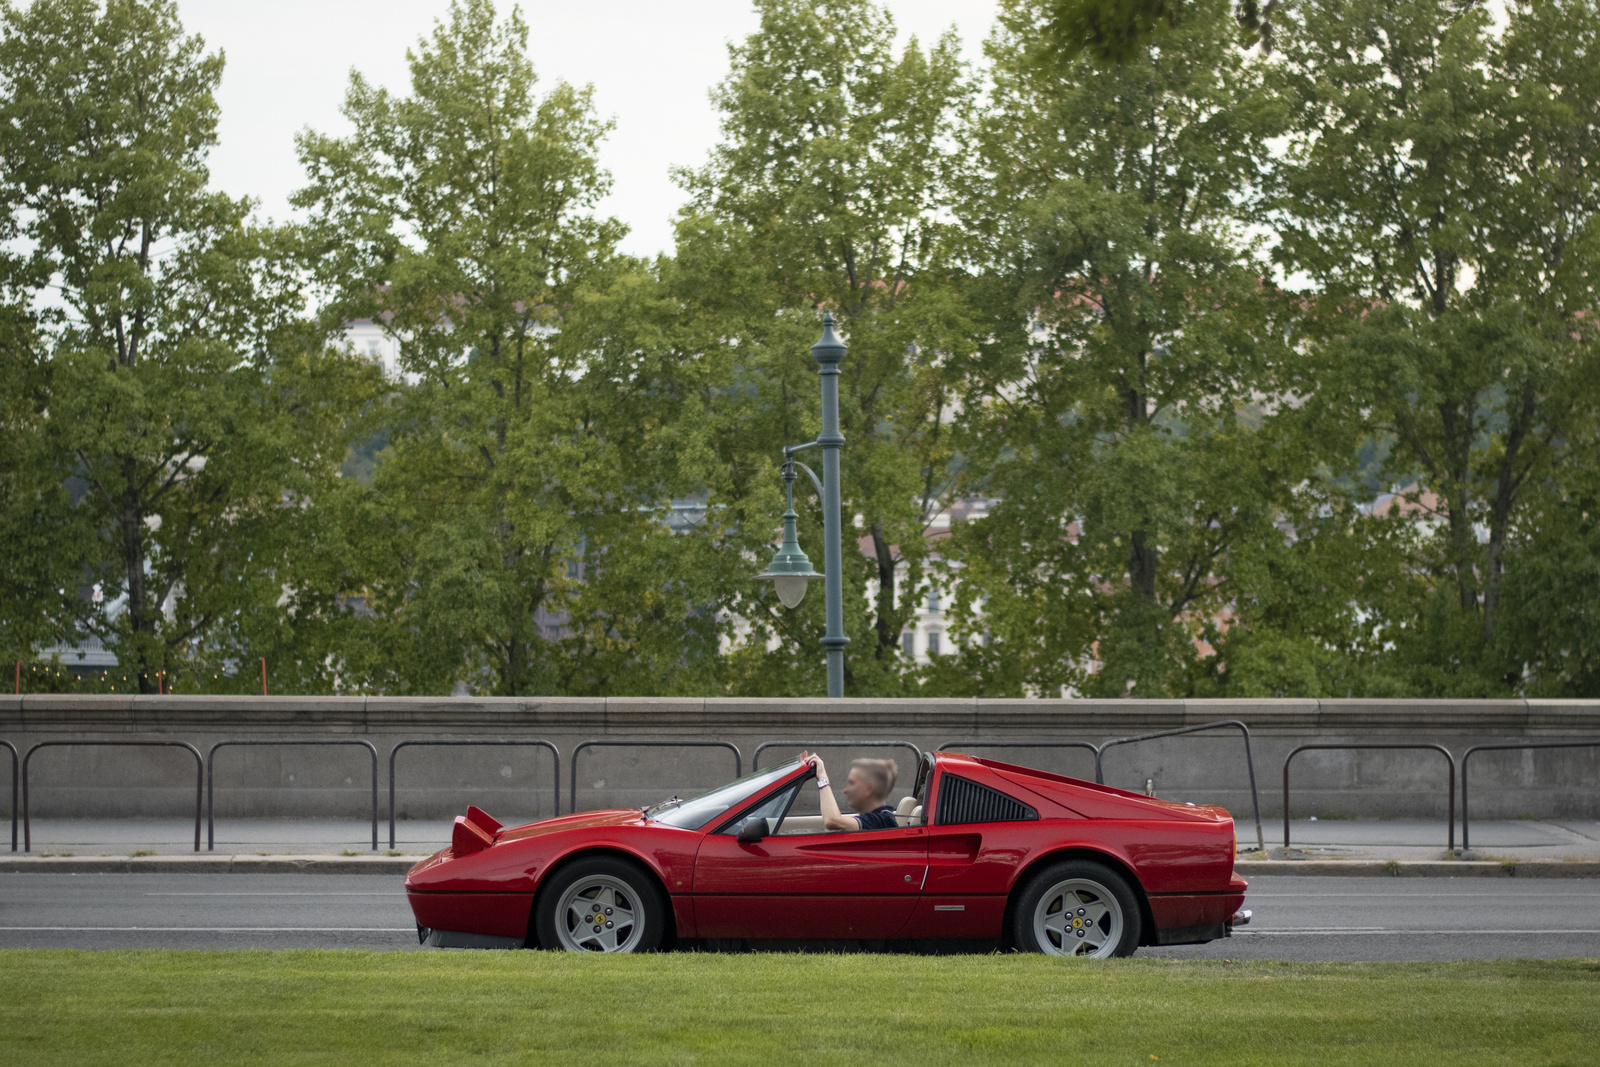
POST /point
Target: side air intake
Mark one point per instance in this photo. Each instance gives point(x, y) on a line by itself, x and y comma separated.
point(964, 801)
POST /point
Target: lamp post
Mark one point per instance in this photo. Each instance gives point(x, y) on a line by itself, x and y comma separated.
point(790, 570)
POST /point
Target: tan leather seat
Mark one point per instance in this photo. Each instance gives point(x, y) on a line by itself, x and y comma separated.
point(908, 812)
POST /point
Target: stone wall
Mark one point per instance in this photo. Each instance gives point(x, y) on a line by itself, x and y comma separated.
point(517, 783)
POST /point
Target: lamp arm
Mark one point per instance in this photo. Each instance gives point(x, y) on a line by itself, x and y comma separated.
point(789, 450)
point(814, 479)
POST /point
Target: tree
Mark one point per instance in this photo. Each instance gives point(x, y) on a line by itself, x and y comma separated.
point(1120, 411)
point(35, 515)
point(183, 390)
point(525, 488)
point(1440, 194)
point(830, 188)
point(1117, 31)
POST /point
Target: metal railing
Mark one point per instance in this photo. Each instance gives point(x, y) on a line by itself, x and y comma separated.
point(967, 746)
point(211, 775)
point(1450, 792)
point(14, 772)
point(1465, 832)
point(199, 778)
point(205, 786)
point(1233, 724)
point(512, 741)
point(738, 757)
point(755, 757)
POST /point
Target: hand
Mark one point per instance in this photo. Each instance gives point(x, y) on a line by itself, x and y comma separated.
point(816, 765)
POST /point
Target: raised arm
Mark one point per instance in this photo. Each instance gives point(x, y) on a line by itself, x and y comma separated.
point(832, 817)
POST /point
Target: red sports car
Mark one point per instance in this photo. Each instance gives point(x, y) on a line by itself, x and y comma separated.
point(1038, 861)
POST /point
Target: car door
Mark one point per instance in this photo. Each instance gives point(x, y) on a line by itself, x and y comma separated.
point(804, 882)
point(978, 839)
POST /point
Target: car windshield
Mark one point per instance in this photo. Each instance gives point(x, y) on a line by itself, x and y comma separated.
point(692, 813)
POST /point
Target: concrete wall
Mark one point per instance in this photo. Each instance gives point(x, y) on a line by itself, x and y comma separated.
point(517, 783)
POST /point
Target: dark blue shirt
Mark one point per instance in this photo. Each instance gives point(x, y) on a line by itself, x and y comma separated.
point(881, 819)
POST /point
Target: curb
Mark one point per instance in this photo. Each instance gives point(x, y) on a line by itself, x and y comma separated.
point(1421, 868)
point(209, 864)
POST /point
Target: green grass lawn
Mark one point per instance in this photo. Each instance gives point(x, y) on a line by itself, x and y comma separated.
point(135, 1008)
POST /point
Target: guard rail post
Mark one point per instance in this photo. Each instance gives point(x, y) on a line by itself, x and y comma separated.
point(1465, 832)
point(755, 757)
point(199, 777)
point(1249, 761)
point(1450, 763)
point(967, 746)
point(572, 800)
point(211, 775)
point(428, 741)
point(14, 773)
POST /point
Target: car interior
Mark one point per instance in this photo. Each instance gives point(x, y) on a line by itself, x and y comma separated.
point(797, 810)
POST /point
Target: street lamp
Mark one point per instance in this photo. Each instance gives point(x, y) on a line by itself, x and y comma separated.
point(790, 569)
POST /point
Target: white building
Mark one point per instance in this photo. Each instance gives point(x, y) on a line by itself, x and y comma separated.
point(369, 339)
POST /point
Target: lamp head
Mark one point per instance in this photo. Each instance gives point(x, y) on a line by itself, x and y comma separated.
point(789, 572)
point(791, 589)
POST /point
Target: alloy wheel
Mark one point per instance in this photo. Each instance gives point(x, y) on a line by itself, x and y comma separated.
point(1078, 917)
point(599, 913)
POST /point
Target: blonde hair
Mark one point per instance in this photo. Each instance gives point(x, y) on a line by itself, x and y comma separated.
point(881, 772)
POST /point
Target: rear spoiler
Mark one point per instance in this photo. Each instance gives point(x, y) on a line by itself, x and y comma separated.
point(474, 831)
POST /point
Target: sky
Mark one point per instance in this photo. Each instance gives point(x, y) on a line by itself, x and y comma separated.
point(652, 64)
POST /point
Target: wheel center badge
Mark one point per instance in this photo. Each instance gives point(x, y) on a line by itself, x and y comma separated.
point(1077, 923)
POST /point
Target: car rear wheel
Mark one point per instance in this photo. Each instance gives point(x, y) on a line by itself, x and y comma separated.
point(600, 905)
point(1077, 908)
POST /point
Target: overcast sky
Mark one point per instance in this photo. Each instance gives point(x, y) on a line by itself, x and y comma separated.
point(651, 63)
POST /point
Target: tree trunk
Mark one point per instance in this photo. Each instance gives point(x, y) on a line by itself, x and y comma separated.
point(1143, 560)
point(1507, 482)
point(1461, 547)
point(1143, 557)
point(887, 626)
point(1458, 440)
point(141, 619)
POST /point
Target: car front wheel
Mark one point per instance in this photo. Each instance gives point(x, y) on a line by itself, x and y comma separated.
point(1077, 908)
point(600, 905)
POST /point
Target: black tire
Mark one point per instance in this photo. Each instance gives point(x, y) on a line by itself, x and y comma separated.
point(608, 888)
point(1077, 908)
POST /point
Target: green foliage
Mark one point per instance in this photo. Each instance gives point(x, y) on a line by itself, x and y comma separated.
point(830, 188)
point(1440, 195)
point(1117, 31)
point(199, 415)
point(1265, 371)
point(532, 449)
point(1114, 412)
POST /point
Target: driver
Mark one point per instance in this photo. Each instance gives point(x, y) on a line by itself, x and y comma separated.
point(866, 789)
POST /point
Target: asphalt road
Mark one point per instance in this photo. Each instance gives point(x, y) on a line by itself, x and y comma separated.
point(1301, 918)
point(1296, 918)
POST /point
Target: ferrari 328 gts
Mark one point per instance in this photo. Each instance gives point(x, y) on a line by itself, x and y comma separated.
point(984, 852)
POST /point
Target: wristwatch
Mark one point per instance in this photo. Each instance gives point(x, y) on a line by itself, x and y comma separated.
point(822, 783)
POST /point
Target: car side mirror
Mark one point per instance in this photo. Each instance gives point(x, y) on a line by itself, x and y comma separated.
point(753, 830)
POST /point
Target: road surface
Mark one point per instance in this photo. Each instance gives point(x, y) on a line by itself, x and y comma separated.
point(1296, 918)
